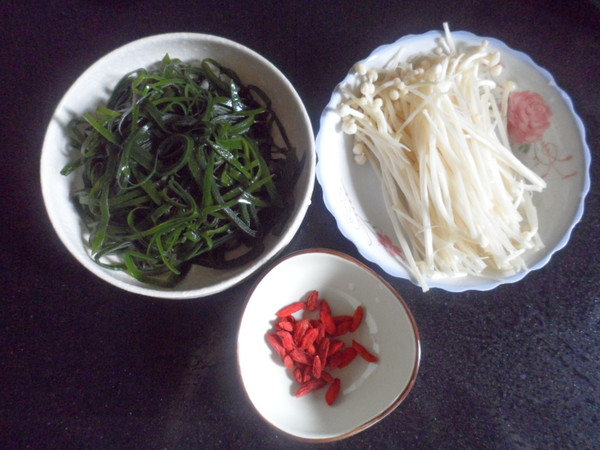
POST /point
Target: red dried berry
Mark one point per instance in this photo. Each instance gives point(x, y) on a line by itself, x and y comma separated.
point(310, 386)
point(330, 326)
point(300, 329)
point(342, 318)
point(291, 309)
point(312, 303)
point(342, 328)
point(324, 350)
point(309, 338)
point(285, 325)
point(275, 342)
point(317, 367)
point(348, 355)
point(335, 360)
point(324, 306)
point(326, 376)
point(357, 318)
point(362, 351)
point(286, 339)
point(335, 346)
point(307, 374)
point(288, 362)
point(301, 356)
point(322, 332)
point(298, 375)
point(333, 392)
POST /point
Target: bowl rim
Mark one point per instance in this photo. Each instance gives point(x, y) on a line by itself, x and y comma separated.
point(292, 225)
point(416, 363)
point(486, 283)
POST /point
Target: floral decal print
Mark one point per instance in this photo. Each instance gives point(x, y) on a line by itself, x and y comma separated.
point(528, 117)
point(387, 243)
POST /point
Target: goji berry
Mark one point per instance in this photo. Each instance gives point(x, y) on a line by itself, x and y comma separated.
point(348, 355)
point(362, 351)
point(285, 325)
point(324, 350)
point(324, 306)
point(309, 386)
point(309, 338)
point(335, 360)
point(342, 318)
point(286, 339)
point(342, 328)
point(322, 331)
point(357, 318)
point(312, 303)
point(298, 376)
point(335, 346)
point(301, 356)
point(330, 326)
point(300, 329)
point(307, 374)
point(275, 342)
point(326, 376)
point(333, 392)
point(288, 362)
point(291, 309)
point(317, 367)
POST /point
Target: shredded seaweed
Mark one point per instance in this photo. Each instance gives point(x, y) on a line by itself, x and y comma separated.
point(181, 167)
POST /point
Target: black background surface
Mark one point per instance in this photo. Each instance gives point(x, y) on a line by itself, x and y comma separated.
point(85, 365)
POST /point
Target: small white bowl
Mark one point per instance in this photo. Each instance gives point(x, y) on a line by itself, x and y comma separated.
point(370, 391)
point(352, 193)
point(93, 87)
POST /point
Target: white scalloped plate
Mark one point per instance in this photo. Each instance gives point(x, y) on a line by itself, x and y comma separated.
point(353, 195)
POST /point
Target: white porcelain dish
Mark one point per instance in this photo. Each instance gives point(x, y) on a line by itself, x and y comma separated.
point(353, 195)
point(370, 391)
point(93, 87)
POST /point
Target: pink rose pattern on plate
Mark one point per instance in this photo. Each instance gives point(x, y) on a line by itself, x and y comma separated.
point(529, 116)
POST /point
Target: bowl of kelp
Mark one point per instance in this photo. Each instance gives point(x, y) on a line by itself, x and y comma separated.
point(178, 165)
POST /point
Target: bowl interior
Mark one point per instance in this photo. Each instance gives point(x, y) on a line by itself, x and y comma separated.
point(353, 194)
point(93, 87)
point(370, 391)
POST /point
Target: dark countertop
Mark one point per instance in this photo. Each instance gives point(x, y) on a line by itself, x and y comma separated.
point(85, 365)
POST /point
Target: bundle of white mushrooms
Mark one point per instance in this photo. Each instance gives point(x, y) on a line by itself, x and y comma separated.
point(435, 132)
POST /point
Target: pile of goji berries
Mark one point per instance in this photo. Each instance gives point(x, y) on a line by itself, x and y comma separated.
point(309, 347)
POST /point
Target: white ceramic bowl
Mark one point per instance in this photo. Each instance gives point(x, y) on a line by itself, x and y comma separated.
point(352, 193)
point(370, 391)
point(93, 87)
